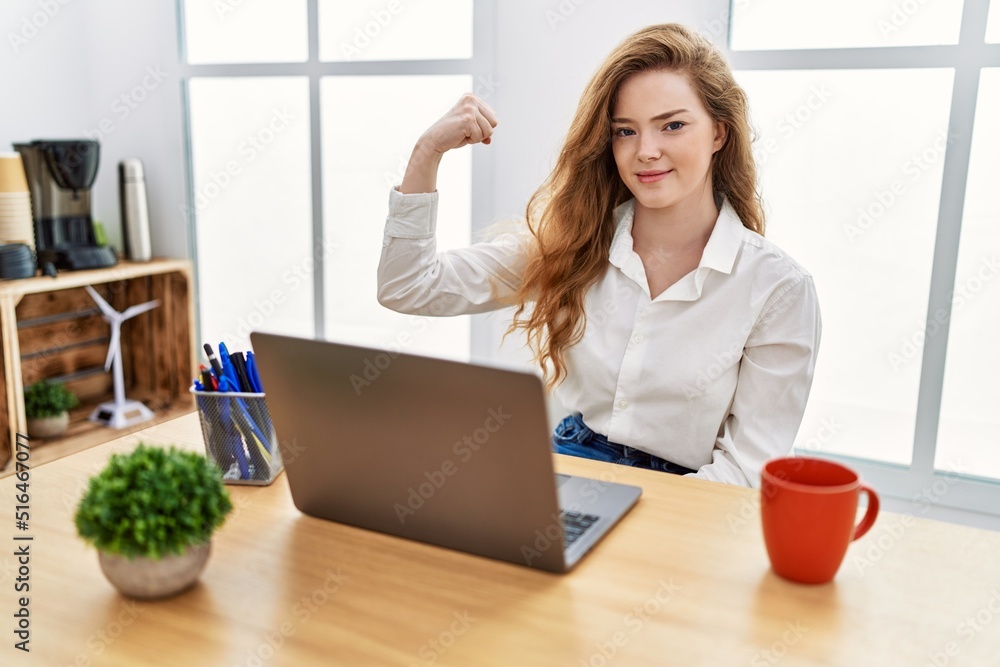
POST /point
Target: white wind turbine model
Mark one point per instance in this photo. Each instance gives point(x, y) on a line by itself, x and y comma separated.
point(121, 412)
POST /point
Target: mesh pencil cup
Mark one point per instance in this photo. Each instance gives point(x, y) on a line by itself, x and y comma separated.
point(239, 436)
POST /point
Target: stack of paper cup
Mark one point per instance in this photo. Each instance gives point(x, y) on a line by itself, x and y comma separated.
point(15, 202)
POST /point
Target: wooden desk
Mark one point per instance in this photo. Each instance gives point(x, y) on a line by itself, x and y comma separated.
point(684, 580)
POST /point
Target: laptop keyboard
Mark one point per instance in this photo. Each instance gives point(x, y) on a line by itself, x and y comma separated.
point(575, 524)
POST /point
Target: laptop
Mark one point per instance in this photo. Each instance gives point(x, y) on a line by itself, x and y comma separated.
point(448, 453)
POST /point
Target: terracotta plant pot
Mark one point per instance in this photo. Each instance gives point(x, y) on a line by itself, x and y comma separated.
point(48, 427)
point(149, 578)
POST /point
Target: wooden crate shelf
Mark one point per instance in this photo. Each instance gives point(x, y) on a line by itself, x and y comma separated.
point(51, 328)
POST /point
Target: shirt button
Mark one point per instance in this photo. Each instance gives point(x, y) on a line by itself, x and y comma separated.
point(639, 338)
point(622, 404)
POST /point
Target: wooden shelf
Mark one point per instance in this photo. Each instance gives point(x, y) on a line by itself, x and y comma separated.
point(52, 329)
point(83, 434)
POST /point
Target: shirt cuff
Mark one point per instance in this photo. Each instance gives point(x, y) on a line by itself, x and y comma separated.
point(411, 216)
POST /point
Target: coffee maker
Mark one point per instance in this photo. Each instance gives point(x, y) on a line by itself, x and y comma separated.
point(60, 175)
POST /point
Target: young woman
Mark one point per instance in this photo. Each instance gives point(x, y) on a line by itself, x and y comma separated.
point(678, 337)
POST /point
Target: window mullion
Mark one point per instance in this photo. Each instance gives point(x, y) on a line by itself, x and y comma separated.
point(316, 171)
point(950, 211)
point(946, 244)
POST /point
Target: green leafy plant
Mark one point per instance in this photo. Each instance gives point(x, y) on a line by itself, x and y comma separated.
point(48, 399)
point(153, 502)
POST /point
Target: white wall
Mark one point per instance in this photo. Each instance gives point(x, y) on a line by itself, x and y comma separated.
point(65, 66)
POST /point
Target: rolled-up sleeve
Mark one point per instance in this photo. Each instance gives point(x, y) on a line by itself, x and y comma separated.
point(775, 376)
point(414, 278)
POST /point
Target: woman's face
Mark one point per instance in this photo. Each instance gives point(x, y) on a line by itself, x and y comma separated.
point(663, 140)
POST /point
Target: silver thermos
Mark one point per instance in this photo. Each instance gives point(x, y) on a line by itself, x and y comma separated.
point(134, 210)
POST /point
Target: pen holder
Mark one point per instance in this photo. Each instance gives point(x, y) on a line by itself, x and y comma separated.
point(239, 436)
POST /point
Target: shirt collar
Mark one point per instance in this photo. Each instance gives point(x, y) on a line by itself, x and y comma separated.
point(719, 255)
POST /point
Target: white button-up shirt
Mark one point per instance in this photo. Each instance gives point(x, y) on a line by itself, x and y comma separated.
point(713, 374)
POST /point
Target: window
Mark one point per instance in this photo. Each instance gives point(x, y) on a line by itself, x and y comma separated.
point(395, 30)
point(993, 23)
point(875, 180)
point(356, 191)
point(295, 137)
point(794, 24)
point(969, 433)
point(264, 31)
point(863, 223)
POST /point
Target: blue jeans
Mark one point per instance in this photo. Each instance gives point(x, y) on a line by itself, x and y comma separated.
point(575, 438)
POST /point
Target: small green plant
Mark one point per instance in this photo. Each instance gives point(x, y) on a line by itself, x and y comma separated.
point(152, 503)
point(48, 399)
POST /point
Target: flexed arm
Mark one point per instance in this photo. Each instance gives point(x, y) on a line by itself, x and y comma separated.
point(412, 276)
point(470, 121)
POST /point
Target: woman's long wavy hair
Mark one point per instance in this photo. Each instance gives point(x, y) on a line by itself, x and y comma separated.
point(571, 215)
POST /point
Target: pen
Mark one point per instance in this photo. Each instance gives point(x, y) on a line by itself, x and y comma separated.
point(234, 440)
point(228, 369)
point(239, 365)
point(265, 418)
point(252, 372)
point(214, 360)
point(208, 380)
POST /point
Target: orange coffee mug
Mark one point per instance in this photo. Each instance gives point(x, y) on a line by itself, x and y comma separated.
point(808, 509)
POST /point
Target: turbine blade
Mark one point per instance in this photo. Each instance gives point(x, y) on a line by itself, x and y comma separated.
point(132, 311)
point(113, 346)
point(105, 307)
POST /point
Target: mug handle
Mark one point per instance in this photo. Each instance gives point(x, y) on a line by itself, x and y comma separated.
point(869, 518)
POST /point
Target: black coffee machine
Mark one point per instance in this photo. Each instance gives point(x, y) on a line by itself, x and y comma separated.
point(60, 175)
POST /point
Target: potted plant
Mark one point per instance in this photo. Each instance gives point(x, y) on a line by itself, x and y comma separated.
point(47, 405)
point(151, 515)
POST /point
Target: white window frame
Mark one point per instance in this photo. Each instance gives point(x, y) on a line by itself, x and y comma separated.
point(479, 67)
point(919, 488)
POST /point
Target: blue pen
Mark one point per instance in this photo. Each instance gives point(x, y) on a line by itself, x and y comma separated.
point(227, 368)
point(234, 441)
point(264, 419)
point(252, 372)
